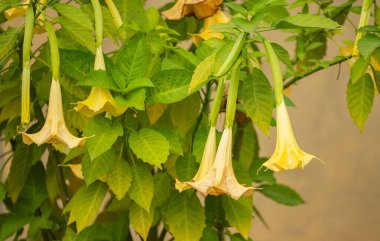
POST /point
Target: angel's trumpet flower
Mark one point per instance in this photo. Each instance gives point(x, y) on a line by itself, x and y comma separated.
point(207, 32)
point(54, 130)
point(200, 8)
point(206, 162)
point(100, 99)
point(287, 154)
point(221, 178)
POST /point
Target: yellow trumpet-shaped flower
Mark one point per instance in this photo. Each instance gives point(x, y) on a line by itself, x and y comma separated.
point(200, 8)
point(206, 32)
point(206, 162)
point(54, 130)
point(221, 179)
point(287, 154)
point(100, 99)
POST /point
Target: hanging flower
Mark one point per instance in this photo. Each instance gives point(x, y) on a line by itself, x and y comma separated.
point(54, 130)
point(207, 32)
point(221, 179)
point(287, 154)
point(200, 8)
point(100, 99)
point(206, 162)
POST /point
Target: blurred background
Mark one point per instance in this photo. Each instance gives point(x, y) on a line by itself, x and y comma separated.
point(342, 196)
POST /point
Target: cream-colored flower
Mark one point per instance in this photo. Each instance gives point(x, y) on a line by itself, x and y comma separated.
point(54, 130)
point(208, 33)
point(221, 179)
point(100, 99)
point(287, 154)
point(200, 8)
point(206, 162)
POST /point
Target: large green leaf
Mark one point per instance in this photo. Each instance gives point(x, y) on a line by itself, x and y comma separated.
point(10, 223)
point(141, 220)
point(132, 61)
point(281, 194)
point(8, 40)
point(85, 204)
point(141, 190)
point(258, 99)
point(102, 134)
point(186, 167)
point(306, 21)
point(185, 113)
point(150, 146)
point(99, 167)
point(171, 85)
point(185, 217)
point(360, 99)
point(120, 178)
point(202, 73)
point(76, 64)
point(23, 159)
point(368, 44)
point(172, 135)
point(239, 213)
point(249, 148)
point(75, 14)
point(358, 69)
point(163, 187)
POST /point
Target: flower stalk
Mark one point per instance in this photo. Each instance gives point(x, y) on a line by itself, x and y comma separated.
point(26, 48)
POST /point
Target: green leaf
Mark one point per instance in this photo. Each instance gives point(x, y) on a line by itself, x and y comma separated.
point(75, 14)
point(23, 159)
point(186, 167)
point(120, 178)
point(77, 32)
point(283, 55)
point(184, 114)
point(210, 234)
point(358, 69)
point(10, 223)
point(172, 135)
point(171, 85)
point(306, 21)
point(214, 210)
point(99, 140)
point(185, 217)
point(132, 61)
point(150, 146)
point(138, 83)
point(70, 235)
point(163, 187)
point(249, 149)
point(85, 204)
point(259, 174)
point(141, 190)
point(281, 194)
point(368, 44)
point(202, 73)
point(4, 5)
point(258, 100)
point(239, 213)
point(134, 99)
point(3, 191)
point(141, 220)
point(75, 152)
point(8, 40)
point(99, 167)
point(76, 64)
point(360, 99)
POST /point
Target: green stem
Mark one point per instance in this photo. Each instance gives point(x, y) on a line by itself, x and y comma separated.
point(98, 22)
point(313, 70)
point(232, 94)
point(364, 19)
point(276, 72)
point(233, 55)
point(54, 51)
point(217, 101)
point(26, 48)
